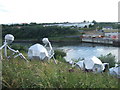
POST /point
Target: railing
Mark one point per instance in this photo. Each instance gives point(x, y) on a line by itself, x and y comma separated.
point(98, 40)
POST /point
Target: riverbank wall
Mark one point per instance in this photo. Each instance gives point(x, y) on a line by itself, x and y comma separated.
point(103, 41)
point(76, 40)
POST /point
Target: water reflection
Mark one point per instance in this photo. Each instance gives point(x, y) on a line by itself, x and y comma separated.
point(87, 51)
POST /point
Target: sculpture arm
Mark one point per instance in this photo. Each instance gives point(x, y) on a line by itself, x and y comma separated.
point(3, 46)
point(16, 51)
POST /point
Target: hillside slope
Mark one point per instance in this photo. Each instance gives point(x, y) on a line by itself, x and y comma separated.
point(17, 73)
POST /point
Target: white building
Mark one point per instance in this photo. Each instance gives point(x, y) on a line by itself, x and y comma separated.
point(113, 35)
point(82, 24)
point(107, 28)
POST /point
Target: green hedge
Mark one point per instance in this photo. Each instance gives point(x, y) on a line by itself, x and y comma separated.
point(109, 58)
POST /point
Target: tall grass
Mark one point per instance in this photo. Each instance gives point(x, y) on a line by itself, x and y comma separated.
point(17, 73)
point(109, 58)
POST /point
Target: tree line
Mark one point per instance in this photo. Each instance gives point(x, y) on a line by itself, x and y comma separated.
point(34, 31)
point(37, 31)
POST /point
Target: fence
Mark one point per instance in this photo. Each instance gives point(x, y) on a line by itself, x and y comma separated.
point(98, 40)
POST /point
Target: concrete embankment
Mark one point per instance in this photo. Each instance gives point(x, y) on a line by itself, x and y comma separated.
point(101, 41)
point(76, 39)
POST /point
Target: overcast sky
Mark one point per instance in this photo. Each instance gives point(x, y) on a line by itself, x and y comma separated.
point(49, 11)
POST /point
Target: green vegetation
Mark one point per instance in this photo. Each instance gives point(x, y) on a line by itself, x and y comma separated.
point(17, 73)
point(107, 24)
point(59, 54)
point(65, 39)
point(37, 31)
point(19, 47)
point(34, 31)
point(0, 41)
point(109, 58)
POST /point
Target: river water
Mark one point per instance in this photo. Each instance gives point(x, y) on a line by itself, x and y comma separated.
point(87, 50)
point(83, 50)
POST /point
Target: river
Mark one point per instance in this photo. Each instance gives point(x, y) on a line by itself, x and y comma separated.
point(84, 50)
point(87, 50)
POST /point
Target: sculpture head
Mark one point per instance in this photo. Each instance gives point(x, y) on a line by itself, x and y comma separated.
point(45, 40)
point(9, 38)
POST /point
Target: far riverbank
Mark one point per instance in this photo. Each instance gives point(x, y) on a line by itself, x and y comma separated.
point(75, 39)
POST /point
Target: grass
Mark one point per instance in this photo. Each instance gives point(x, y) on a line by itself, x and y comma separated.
point(65, 39)
point(17, 73)
point(109, 58)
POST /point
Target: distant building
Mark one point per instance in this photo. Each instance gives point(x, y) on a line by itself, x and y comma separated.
point(112, 35)
point(94, 34)
point(80, 25)
point(109, 32)
point(107, 28)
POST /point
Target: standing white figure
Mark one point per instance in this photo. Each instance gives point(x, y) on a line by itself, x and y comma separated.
point(9, 39)
point(40, 52)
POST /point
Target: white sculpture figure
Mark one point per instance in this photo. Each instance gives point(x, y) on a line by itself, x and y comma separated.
point(9, 39)
point(81, 64)
point(37, 51)
point(41, 52)
point(94, 64)
point(115, 71)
